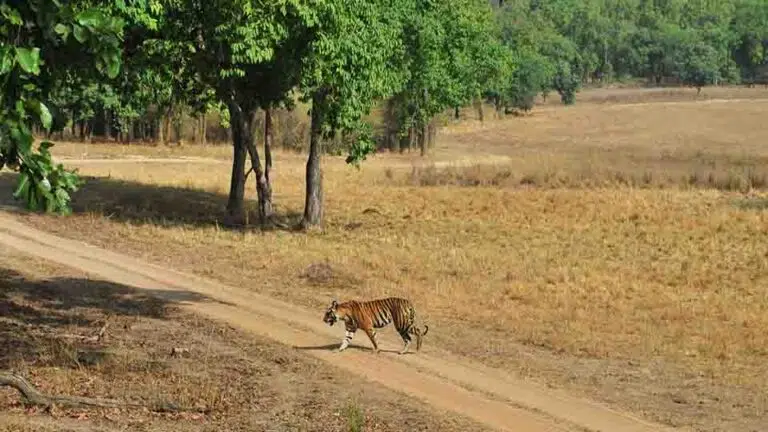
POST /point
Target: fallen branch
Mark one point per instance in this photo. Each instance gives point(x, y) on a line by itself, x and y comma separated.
point(95, 338)
point(277, 223)
point(32, 396)
point(78, 337)
point(178, 352)
point(103, 330)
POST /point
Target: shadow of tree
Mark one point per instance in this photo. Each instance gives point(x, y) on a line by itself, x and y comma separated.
point(34, 314)
point(141, 203)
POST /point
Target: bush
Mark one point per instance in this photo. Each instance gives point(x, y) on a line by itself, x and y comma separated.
point(566, 82)
point(532, 76)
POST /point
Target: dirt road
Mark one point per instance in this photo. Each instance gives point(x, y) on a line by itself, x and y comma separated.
point(483, 394)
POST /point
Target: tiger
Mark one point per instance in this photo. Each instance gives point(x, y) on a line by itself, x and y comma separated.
point(375, 314)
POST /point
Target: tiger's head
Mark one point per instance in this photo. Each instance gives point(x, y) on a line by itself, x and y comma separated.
point(330, 314)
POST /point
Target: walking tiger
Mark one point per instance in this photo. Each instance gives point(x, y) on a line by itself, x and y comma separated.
point(375, 314)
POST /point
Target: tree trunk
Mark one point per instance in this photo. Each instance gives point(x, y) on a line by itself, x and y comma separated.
point(456, 113)
point(235, 205)
point(150, 131)
point(424, 124)
point(89, 131)
point(313, 203)
point(166, 126)
point(391, 125)
point(243, 131)
point(268, 155)
point(201, 128)
point(196, 131)
point(107, 125)
point(404, 141)
point(431, 134)
point(479, 108)
point(177, 129)
point(423, 138)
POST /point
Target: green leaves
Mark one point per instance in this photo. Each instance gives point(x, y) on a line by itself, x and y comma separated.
point(696, 64)
point(12, 16)
point(22, 187)
point(43, 186)
point(92, 18)
point(362, 146)
point(45, 115)
point(29, 59)
point(111, 63)
point(62, 30)
point(533, 75)
point(354, 59)
point(32, 36)
point(6, 60)
point(81, 33)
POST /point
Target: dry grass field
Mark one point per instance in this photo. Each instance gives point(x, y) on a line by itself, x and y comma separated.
point(234, 382)
point(617, 248)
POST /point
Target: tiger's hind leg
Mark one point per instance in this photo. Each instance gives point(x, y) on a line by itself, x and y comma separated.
point(405, 334)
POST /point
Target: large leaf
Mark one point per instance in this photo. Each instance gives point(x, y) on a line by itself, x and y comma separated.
point(21, 138)
point(81, 33)
point(22, 185)
point(6, 60)
point(11, 15)
point(29, 59)
point(92, 18)
point(62, 30)
point(112, 63)
point(45, 116)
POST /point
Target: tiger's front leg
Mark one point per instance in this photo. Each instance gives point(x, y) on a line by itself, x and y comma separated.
point(345, 342)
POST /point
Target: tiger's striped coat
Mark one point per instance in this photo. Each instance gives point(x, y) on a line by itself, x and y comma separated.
point(375, 314)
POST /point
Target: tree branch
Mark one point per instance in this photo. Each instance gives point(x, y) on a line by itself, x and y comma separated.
point(33, 396)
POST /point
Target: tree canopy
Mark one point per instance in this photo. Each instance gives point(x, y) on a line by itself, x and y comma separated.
point(44, 43)
point(133, 68)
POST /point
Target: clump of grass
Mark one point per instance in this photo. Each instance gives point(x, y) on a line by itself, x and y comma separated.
point(354, 417)
point(479, 175)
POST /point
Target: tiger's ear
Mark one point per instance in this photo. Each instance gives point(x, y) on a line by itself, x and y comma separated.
point(334, 303)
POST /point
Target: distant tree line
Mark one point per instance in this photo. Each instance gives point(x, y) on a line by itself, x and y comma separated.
point(133, 69)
